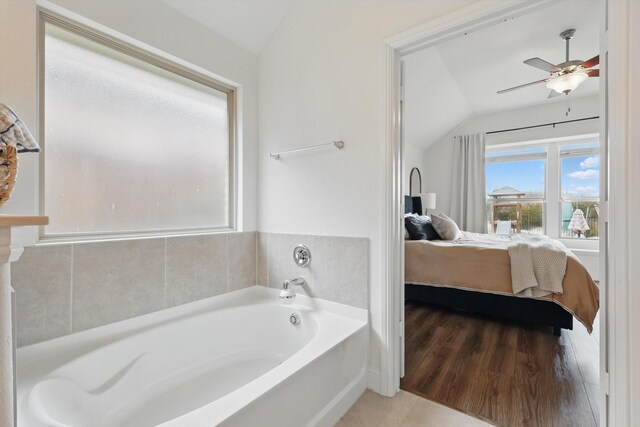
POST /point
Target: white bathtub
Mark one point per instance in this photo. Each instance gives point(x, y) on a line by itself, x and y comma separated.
point(234, 360)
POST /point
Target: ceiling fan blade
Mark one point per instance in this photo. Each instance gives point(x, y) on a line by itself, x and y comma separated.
point(553, 94)
point(542, 64)
point(524, 85)
point(591, 62)
point(593, 73)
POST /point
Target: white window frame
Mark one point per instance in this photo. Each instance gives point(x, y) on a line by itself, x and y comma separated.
point(552, 205)
point(48, 17)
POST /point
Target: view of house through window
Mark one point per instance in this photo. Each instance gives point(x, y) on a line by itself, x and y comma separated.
point(130, 146)
point(522, 183)
point(516, 189)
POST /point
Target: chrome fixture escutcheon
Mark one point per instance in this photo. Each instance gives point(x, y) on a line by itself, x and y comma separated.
point(301, 255)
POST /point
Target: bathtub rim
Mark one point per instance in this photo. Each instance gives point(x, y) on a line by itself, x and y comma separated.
point(80, 343)
point(102, 335)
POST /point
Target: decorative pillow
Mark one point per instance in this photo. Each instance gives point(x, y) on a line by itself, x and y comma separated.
point(446, 228)
point(406, 232)
point(420, 228)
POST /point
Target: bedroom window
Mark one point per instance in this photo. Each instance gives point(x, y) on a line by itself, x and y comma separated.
point(580, 184)
point(134, 144)
point(515, 182)
point(548, 188)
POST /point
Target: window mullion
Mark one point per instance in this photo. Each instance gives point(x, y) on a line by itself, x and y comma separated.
point(552, 182)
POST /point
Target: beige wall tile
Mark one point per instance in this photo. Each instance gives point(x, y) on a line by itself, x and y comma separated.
point(116, 280)
point(42, 281)
point(242, 260)
point(263, 259)
point(196, 268)
point(281, 264)
point(341, 269)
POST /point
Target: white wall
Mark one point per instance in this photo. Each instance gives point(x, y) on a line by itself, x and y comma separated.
point(322, 78)
point(153, 24)
point(439, 157)
point(413, 158)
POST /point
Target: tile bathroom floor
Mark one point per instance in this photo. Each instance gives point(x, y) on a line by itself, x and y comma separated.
point(404, 409)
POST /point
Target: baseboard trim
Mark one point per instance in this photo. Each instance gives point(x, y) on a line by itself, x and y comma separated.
point(373, 380)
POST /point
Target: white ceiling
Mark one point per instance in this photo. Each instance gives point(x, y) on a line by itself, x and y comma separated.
point(479, 64)
point(431, 108)
point(248, 23)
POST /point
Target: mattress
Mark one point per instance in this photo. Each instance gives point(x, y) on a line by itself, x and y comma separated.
point(481, 263)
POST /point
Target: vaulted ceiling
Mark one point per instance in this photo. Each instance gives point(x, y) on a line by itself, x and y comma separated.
point(456, 80)
point(248, 23)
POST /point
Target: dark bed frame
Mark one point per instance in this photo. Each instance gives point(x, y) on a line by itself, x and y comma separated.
point(502, 306)
point(525, 310)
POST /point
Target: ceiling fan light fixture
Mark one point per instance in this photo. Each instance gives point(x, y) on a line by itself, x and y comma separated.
point(567, 82)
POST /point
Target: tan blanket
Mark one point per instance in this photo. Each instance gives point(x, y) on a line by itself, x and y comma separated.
point(481, 263)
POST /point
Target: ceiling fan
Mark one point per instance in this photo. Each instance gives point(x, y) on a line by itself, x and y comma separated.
point(564, 77)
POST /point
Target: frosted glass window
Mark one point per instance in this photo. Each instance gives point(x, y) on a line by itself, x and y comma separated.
point(129, 146)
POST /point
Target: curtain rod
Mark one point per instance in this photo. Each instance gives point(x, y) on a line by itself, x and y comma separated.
point(543, 125)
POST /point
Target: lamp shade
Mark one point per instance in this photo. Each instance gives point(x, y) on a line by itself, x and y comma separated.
point(578, 223)
point(428, 200)
point(567, 82)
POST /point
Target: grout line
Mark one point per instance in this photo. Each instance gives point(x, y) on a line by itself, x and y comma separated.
point(268, 260)
point(227, 263)
point(312, 271)
point(71, 292)
point(165, 272)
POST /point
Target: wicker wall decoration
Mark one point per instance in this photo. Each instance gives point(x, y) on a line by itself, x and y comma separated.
point(14, 138)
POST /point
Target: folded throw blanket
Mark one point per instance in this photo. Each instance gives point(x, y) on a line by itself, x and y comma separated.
point(14, 133)
point(538, 265)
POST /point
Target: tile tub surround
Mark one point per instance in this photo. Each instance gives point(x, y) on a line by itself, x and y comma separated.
point(338, 270)
point(63, 289)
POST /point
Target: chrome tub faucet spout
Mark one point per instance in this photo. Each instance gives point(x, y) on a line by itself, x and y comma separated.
point(287, 295)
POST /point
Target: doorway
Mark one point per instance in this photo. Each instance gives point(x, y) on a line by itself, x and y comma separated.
point(439, 37)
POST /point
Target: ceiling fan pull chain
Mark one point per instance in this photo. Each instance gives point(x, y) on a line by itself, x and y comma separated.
point(568, 105)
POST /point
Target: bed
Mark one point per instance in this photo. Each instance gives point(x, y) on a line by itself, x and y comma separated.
point(474, 274)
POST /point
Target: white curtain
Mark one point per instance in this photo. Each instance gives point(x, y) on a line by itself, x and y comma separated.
point(468, 198)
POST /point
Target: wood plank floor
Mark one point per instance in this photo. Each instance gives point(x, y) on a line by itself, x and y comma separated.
point(505, 373)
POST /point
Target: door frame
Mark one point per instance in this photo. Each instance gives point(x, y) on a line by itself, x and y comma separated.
point(617, 388)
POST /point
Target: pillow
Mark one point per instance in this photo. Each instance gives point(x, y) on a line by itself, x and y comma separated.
point(406, 232)
point(446, 228)
point(420, 228)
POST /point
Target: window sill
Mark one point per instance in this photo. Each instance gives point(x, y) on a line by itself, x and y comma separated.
point(582, 245)
point(69, 240)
